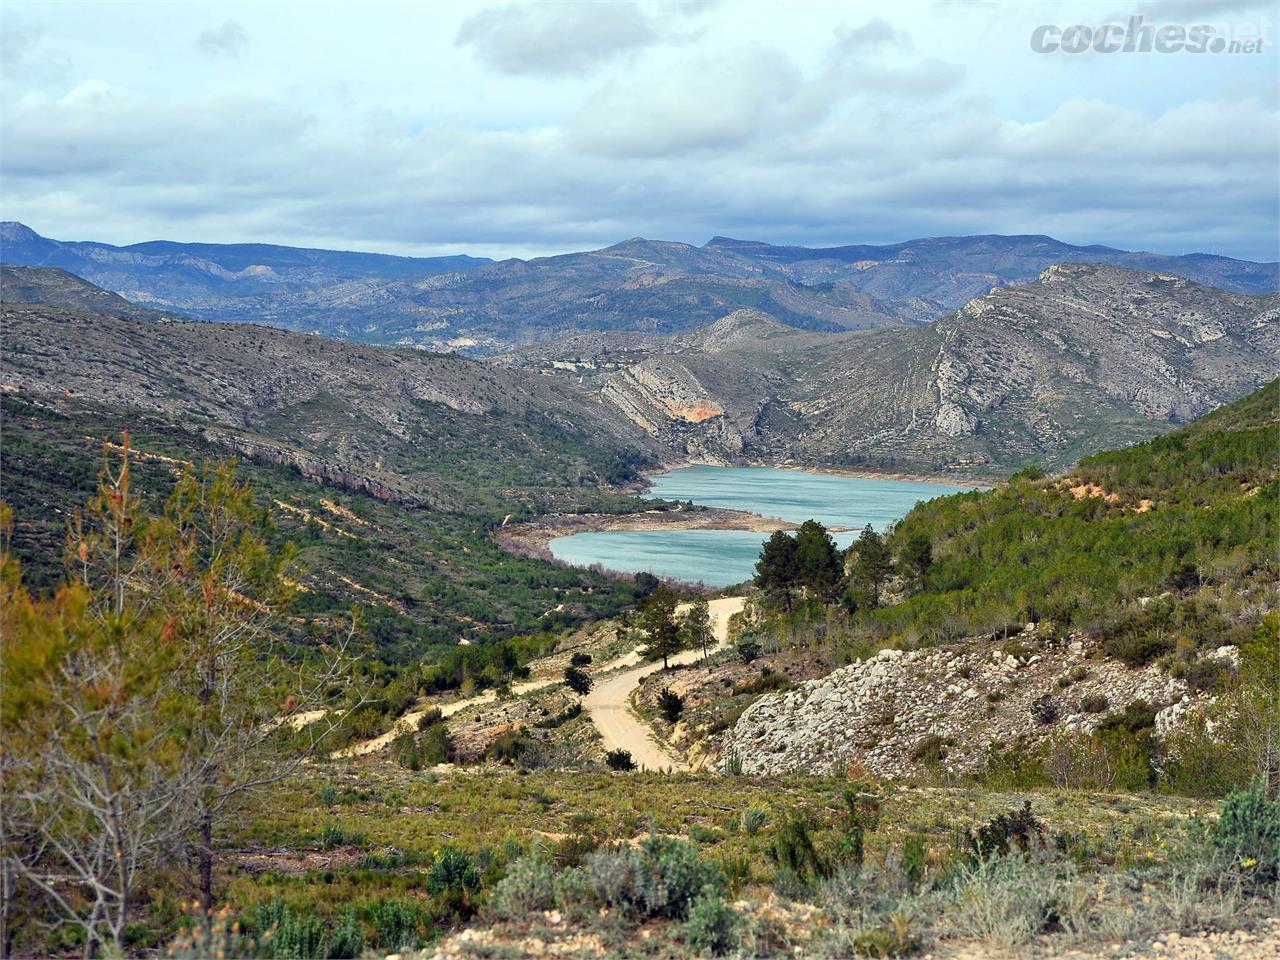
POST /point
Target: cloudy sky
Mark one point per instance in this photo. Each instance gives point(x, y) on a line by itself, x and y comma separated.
point(524, 128)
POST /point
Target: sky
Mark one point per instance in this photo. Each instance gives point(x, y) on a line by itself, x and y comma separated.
point(533, 128)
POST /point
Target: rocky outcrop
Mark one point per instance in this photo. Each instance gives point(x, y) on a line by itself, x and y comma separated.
point(899, 711)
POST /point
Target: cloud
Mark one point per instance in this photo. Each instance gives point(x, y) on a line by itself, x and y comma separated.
point(557, 39)
point(750, 93)
point(224, 41)
point(868, 132)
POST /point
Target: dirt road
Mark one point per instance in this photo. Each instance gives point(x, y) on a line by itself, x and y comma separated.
point(609, 702)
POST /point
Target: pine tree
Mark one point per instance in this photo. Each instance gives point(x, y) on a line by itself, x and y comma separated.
point(659, 626)
point(776, 569)
point(695, 626)
point(818, 567)
point(870, 564)
point(917, 556)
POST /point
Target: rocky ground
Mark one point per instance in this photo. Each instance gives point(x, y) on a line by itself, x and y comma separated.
point(899, 712)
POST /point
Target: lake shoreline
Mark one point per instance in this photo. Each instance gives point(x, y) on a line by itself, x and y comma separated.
point(971, 481)
point(532, 539)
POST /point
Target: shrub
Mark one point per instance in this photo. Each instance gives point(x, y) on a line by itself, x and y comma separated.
point(1094, 703)
point(580, 660)
point(712, 925)
point(914, 855)
point(619, 760)
point(850, 847)
point(1247, 835)
point(660, 879)
point(670, 705)
point(332, 836)
point(1005, 902)
point(510, 747)
point(1044, 710)
point(577, 681)
point(753, 818)
point(929, 750)
point(560, 719)
point(768, 681)
point(1015, 831)
point(396, 922)
point(346, 940)
point(453, 874)
point(430, 718)
point(747, 649)
point(529, 886)
point(288, 934)
point(793, 851)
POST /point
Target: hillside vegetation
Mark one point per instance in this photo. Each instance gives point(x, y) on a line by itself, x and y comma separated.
point(1190, 517)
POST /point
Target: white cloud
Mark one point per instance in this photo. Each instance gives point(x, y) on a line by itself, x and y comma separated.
point(556, 39)
point(226, 40)
point(782, 126)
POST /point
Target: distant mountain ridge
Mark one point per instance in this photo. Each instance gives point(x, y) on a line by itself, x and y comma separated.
point(1085, 357)
point(638, 285)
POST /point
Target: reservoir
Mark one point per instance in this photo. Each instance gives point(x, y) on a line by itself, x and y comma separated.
point(721, 557)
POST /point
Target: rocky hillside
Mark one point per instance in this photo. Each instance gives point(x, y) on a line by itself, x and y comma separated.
point(1142, 579)
point(639, 285)
point(53, 287)
point(1083, 358)
point(401, 424)
point(903, 713)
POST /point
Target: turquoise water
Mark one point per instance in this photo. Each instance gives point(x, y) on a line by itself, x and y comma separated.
point(721, 557)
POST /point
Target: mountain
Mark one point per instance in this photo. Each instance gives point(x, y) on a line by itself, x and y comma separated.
point(1083, 358)
point(54, 287)
point(214, 281)
point(425, 428)
point(639, 285)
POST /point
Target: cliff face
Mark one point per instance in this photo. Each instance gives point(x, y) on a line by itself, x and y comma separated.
point(1083, 358)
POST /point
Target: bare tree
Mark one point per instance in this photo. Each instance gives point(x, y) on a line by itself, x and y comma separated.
point(149, 692)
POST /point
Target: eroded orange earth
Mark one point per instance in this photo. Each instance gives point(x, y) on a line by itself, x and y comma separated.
point(1080, 491)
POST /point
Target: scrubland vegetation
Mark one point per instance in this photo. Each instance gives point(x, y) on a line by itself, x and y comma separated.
point(158, 800)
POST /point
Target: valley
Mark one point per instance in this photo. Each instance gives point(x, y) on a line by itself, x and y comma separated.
point(1066, 597)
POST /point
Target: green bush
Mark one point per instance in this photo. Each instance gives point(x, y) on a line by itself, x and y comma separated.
point(454, 878)
point(660, 879)
point(670, 705)
point(914, 856)
point(793, 851)
point(1018, 831)
point(753, 818)
point(1247, 835)
point(619, 760)
point(332, 836)
point(511, 747)
point(712, 925)
point(288, 934)
point(747, 649)
point(1094, 703)
point(396, 922)
point(528, 887)
point(346, 940)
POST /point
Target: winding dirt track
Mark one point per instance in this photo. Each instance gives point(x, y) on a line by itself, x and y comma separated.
point(609, 702)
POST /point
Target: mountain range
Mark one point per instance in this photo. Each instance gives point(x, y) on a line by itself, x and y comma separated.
point(483, 307)
point(1082, 358)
